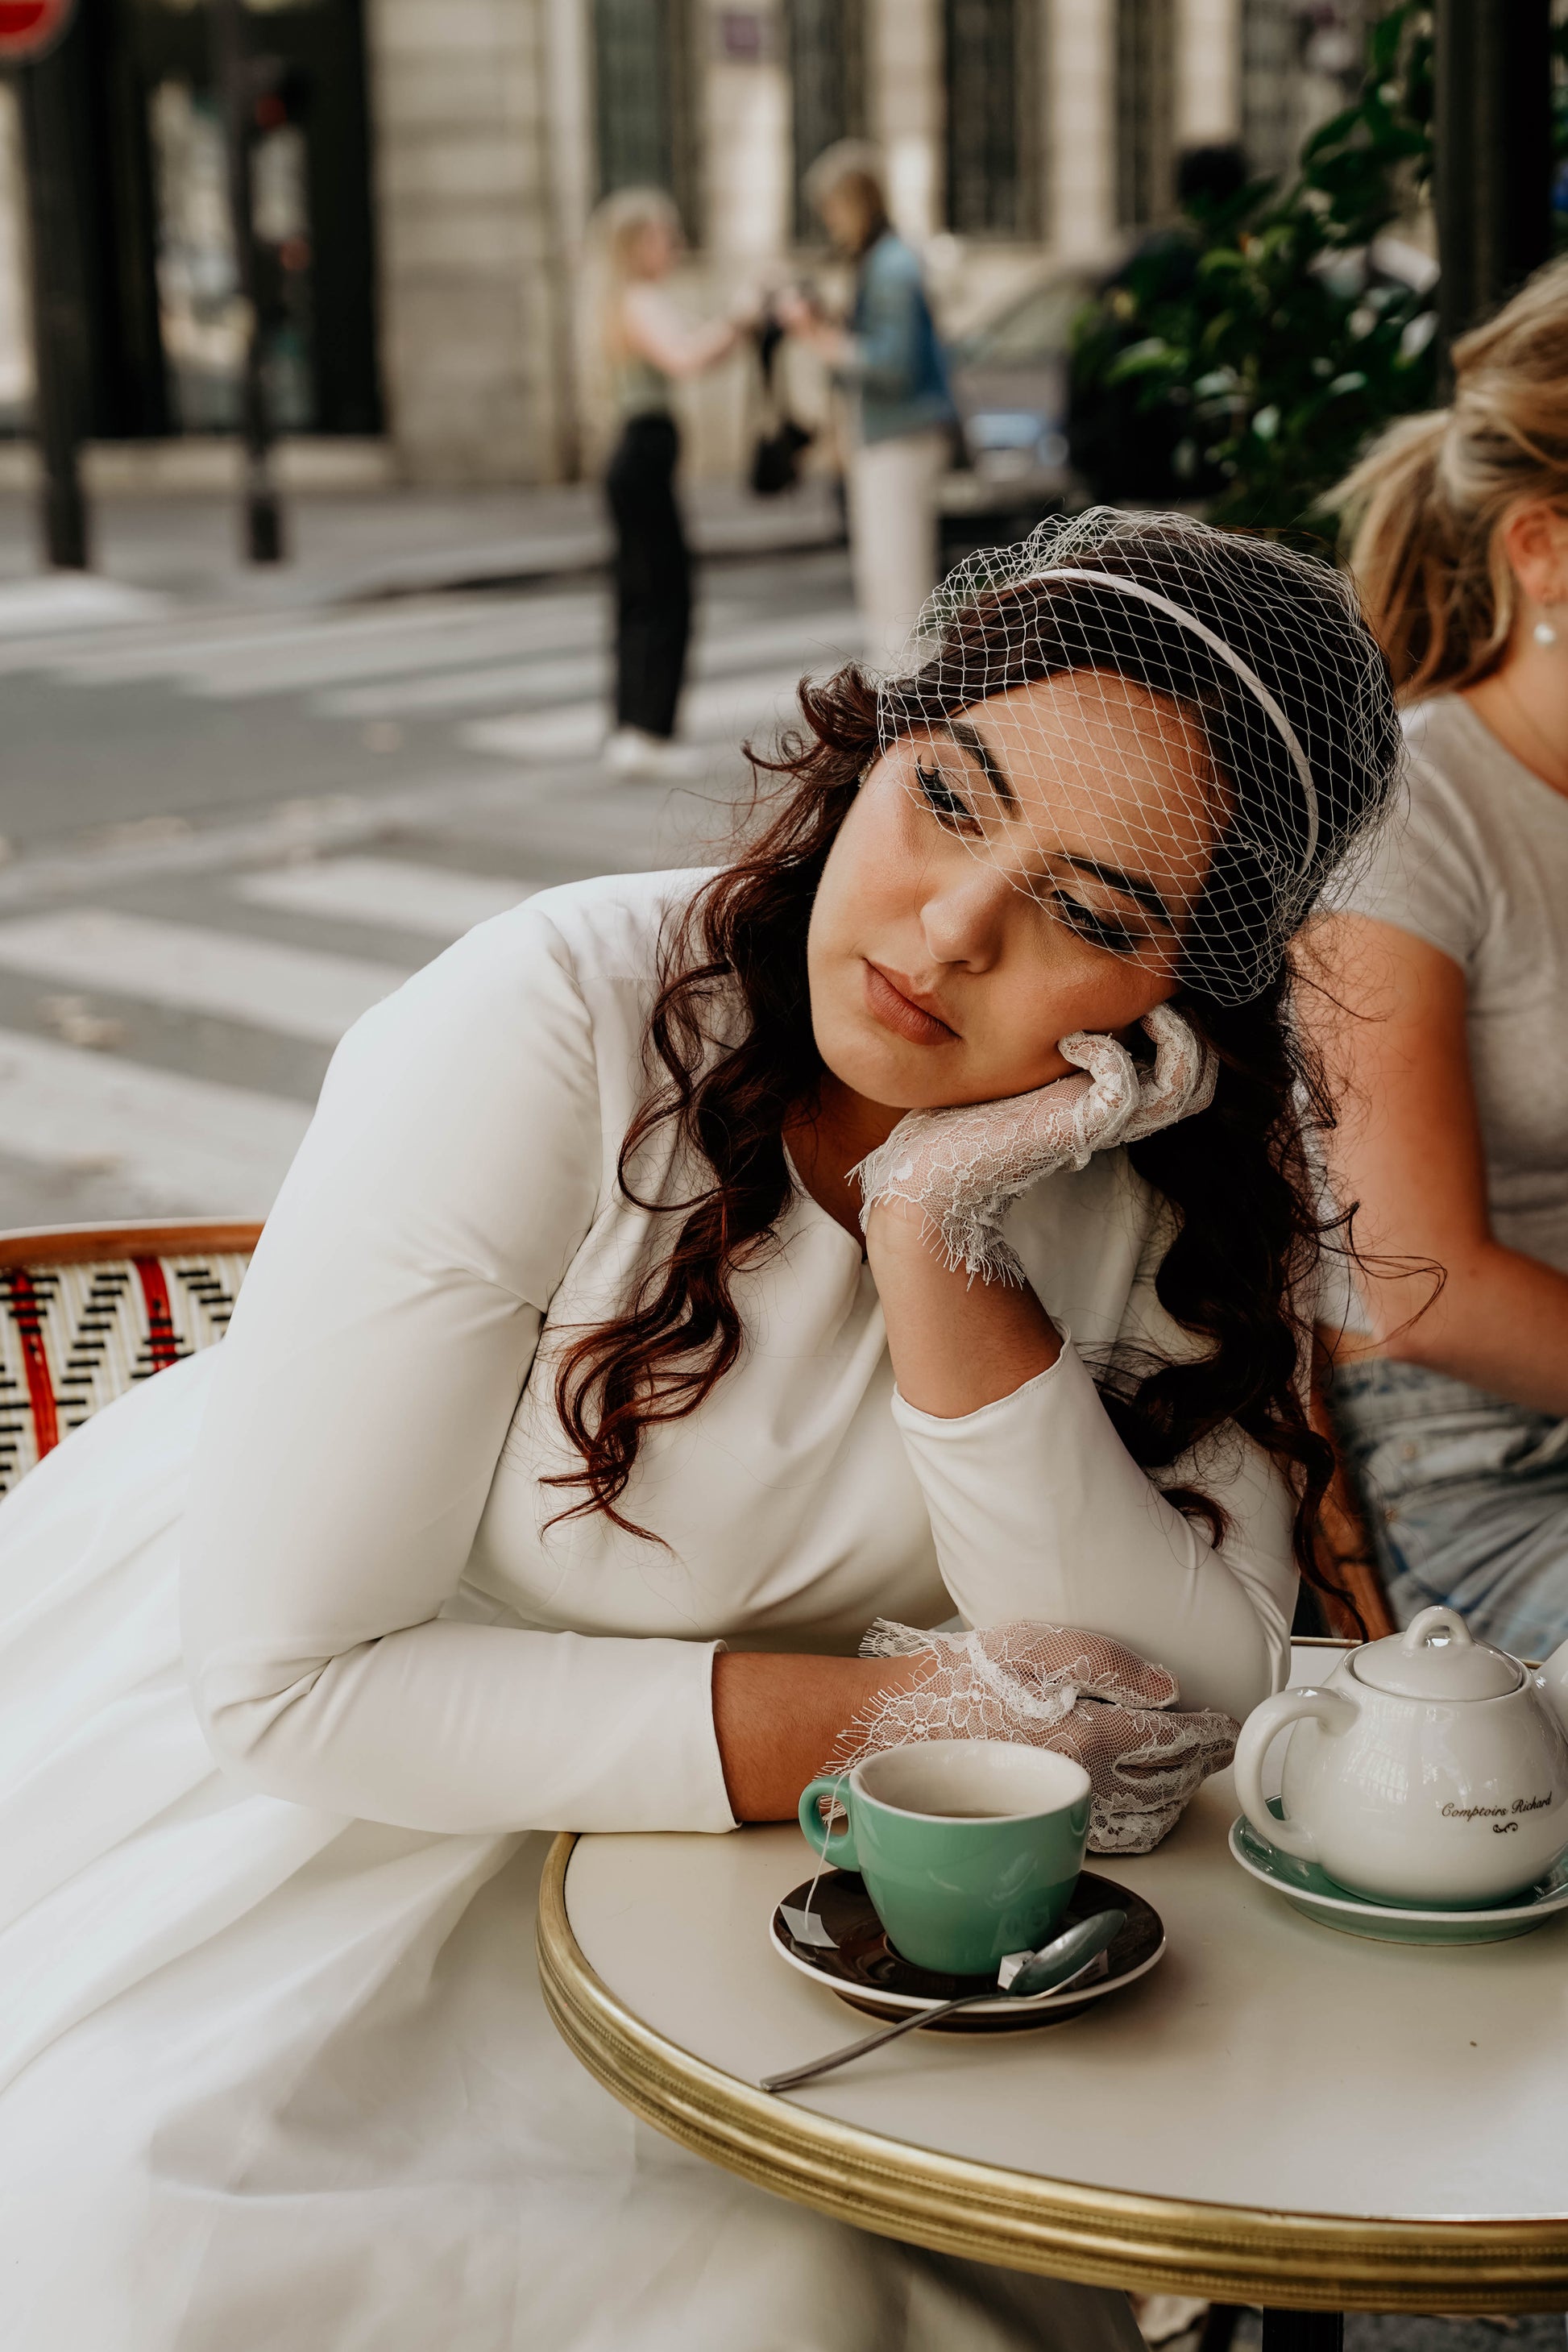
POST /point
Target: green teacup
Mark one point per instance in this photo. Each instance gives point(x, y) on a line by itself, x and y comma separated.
point(970, 1849)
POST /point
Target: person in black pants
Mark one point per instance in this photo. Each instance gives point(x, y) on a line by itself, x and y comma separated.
point(653, 577)
point(647, 346)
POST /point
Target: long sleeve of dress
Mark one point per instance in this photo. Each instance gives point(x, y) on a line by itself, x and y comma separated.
point(1039, 1510)
point(363, 1397)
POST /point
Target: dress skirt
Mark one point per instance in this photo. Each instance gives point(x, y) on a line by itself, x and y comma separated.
point(275, 2081)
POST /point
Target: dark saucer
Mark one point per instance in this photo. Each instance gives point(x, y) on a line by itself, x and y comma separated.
point(861, 1967)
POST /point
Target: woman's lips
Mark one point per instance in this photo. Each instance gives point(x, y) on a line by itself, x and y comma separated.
point(888, 1003)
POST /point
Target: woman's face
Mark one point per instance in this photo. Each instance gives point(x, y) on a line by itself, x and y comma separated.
point(846, 215)
point(1025, 870)
point(657, 248)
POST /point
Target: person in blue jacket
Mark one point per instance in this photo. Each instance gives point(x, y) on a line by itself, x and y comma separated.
point(888, 358)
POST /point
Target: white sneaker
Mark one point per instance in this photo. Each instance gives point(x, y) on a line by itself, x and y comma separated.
point(630, 753)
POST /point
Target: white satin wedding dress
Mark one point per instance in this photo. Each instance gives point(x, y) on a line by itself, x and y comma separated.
point(275, 2075)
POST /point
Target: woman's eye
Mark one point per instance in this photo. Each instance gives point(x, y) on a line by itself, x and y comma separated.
point(1099, 930)
point(941, 800)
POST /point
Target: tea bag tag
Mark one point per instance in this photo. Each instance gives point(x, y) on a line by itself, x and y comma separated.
point(807, 1929)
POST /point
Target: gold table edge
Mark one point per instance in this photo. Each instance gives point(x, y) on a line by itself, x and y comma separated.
point(956, 2205)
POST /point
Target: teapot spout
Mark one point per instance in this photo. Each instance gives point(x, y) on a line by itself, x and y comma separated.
point(1554, 1682)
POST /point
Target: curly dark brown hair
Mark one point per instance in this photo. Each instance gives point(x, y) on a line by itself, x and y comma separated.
point(1239, 1277)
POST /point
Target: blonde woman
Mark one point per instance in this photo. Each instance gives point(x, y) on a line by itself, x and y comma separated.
point(647, 348)
point(1455, 1136)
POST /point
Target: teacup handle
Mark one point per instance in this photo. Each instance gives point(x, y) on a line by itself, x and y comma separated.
point(1258, 1733)
point(836, 1846)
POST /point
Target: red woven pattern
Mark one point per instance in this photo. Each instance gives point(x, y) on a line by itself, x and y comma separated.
point(73, 1338)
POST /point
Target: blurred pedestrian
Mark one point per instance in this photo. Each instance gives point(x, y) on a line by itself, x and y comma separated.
point(646, 347)
point(890, 358)
point(1452, 948)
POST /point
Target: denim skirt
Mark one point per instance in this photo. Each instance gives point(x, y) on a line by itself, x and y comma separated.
point(1467, 1499)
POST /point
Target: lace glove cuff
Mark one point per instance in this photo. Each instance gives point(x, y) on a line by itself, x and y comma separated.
point(1052, 1686)
point(963, 1169)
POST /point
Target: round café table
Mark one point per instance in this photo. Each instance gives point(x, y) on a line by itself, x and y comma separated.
point(1278, 2114)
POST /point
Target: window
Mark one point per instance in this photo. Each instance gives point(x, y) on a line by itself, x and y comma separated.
point(1145, 163)
point(991, 172)
point(827, 82)
point(1299, 65)
point(1270, 65)
point(643, 92)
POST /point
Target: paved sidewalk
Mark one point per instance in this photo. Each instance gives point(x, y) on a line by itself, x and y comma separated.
point(183, 547)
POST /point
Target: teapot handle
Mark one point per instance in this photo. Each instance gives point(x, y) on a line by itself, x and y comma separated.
point(1258, 1733)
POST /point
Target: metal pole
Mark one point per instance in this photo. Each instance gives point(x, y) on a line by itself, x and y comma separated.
point(263, 513)
point(60, 360)
point(1492, 176)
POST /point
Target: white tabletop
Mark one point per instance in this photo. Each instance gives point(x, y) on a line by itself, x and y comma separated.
point(1268, 2062)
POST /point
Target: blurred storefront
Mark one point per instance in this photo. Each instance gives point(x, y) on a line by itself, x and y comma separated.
point(424, 170)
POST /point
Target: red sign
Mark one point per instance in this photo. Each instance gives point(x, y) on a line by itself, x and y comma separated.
point(29, 27)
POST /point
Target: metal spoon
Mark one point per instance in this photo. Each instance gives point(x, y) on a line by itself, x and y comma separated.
point(1049, 1969)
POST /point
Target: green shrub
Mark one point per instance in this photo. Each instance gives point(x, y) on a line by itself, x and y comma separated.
point(1249, 353)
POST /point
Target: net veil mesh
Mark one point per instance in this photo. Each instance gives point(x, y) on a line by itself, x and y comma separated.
point(1187, 732)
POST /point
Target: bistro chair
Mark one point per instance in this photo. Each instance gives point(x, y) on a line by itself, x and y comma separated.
point(86, 1311)
point(1345, 1549)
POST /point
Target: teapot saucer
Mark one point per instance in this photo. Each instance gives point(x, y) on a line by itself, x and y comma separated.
point(1318, 1897)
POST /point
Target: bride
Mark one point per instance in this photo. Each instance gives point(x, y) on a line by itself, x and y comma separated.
point(570, 1432)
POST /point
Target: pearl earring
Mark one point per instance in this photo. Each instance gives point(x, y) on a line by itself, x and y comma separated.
point(1544, 634)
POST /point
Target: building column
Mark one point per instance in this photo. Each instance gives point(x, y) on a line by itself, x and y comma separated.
point(1208, 72)
point(459, 93)
point(1080, 86)
point(746, 133)
point(905, 76)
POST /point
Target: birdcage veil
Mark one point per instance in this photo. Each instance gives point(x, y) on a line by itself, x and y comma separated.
point(1218, 739)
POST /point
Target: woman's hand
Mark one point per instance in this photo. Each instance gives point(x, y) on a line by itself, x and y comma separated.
point(794, 314)
point(1052, 1687)
point(958, 1171)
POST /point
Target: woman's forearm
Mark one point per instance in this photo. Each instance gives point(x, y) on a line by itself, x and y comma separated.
point(776, 1719)
point(1039, 1510)
point(956, 1343)
point(1500, 1322)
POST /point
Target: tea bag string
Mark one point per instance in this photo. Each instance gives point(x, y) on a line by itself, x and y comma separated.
point(834, 1804)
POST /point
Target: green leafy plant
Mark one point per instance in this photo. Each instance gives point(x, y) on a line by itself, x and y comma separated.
point(1252, 352)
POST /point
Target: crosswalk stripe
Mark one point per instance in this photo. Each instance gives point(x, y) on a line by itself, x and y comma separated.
point(729, 707)
point(72, 600)
point(540, 682)
point(333, 657)
point(296, 991)
point(282, 661)
point(388, 890)
point(184, 1145)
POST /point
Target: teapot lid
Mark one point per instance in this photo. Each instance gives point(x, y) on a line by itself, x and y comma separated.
point(1437, 1657)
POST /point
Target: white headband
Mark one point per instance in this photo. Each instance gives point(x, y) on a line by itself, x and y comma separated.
point(1248, 678)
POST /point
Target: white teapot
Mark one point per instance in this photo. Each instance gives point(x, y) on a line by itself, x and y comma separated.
point(1428, 1769)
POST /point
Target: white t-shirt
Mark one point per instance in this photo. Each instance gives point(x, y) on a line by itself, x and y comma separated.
point(381, 1620)
point(1478, 868)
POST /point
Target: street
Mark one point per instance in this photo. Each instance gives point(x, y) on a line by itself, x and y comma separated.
point(229, 831)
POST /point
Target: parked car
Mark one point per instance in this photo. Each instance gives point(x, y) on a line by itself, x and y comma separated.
point(1011, 384)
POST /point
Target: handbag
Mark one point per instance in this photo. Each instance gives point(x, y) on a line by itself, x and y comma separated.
point(775, 454)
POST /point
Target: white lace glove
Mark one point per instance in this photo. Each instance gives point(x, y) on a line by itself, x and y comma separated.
point(1052, 1687)
point(964, 1168)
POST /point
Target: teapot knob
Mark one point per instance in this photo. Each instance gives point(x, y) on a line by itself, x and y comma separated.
point(1438, 1619)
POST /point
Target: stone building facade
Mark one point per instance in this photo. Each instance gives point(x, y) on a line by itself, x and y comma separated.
point(428, 169)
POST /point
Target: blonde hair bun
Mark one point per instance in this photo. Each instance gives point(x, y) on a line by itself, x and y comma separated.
point(1428, 501)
